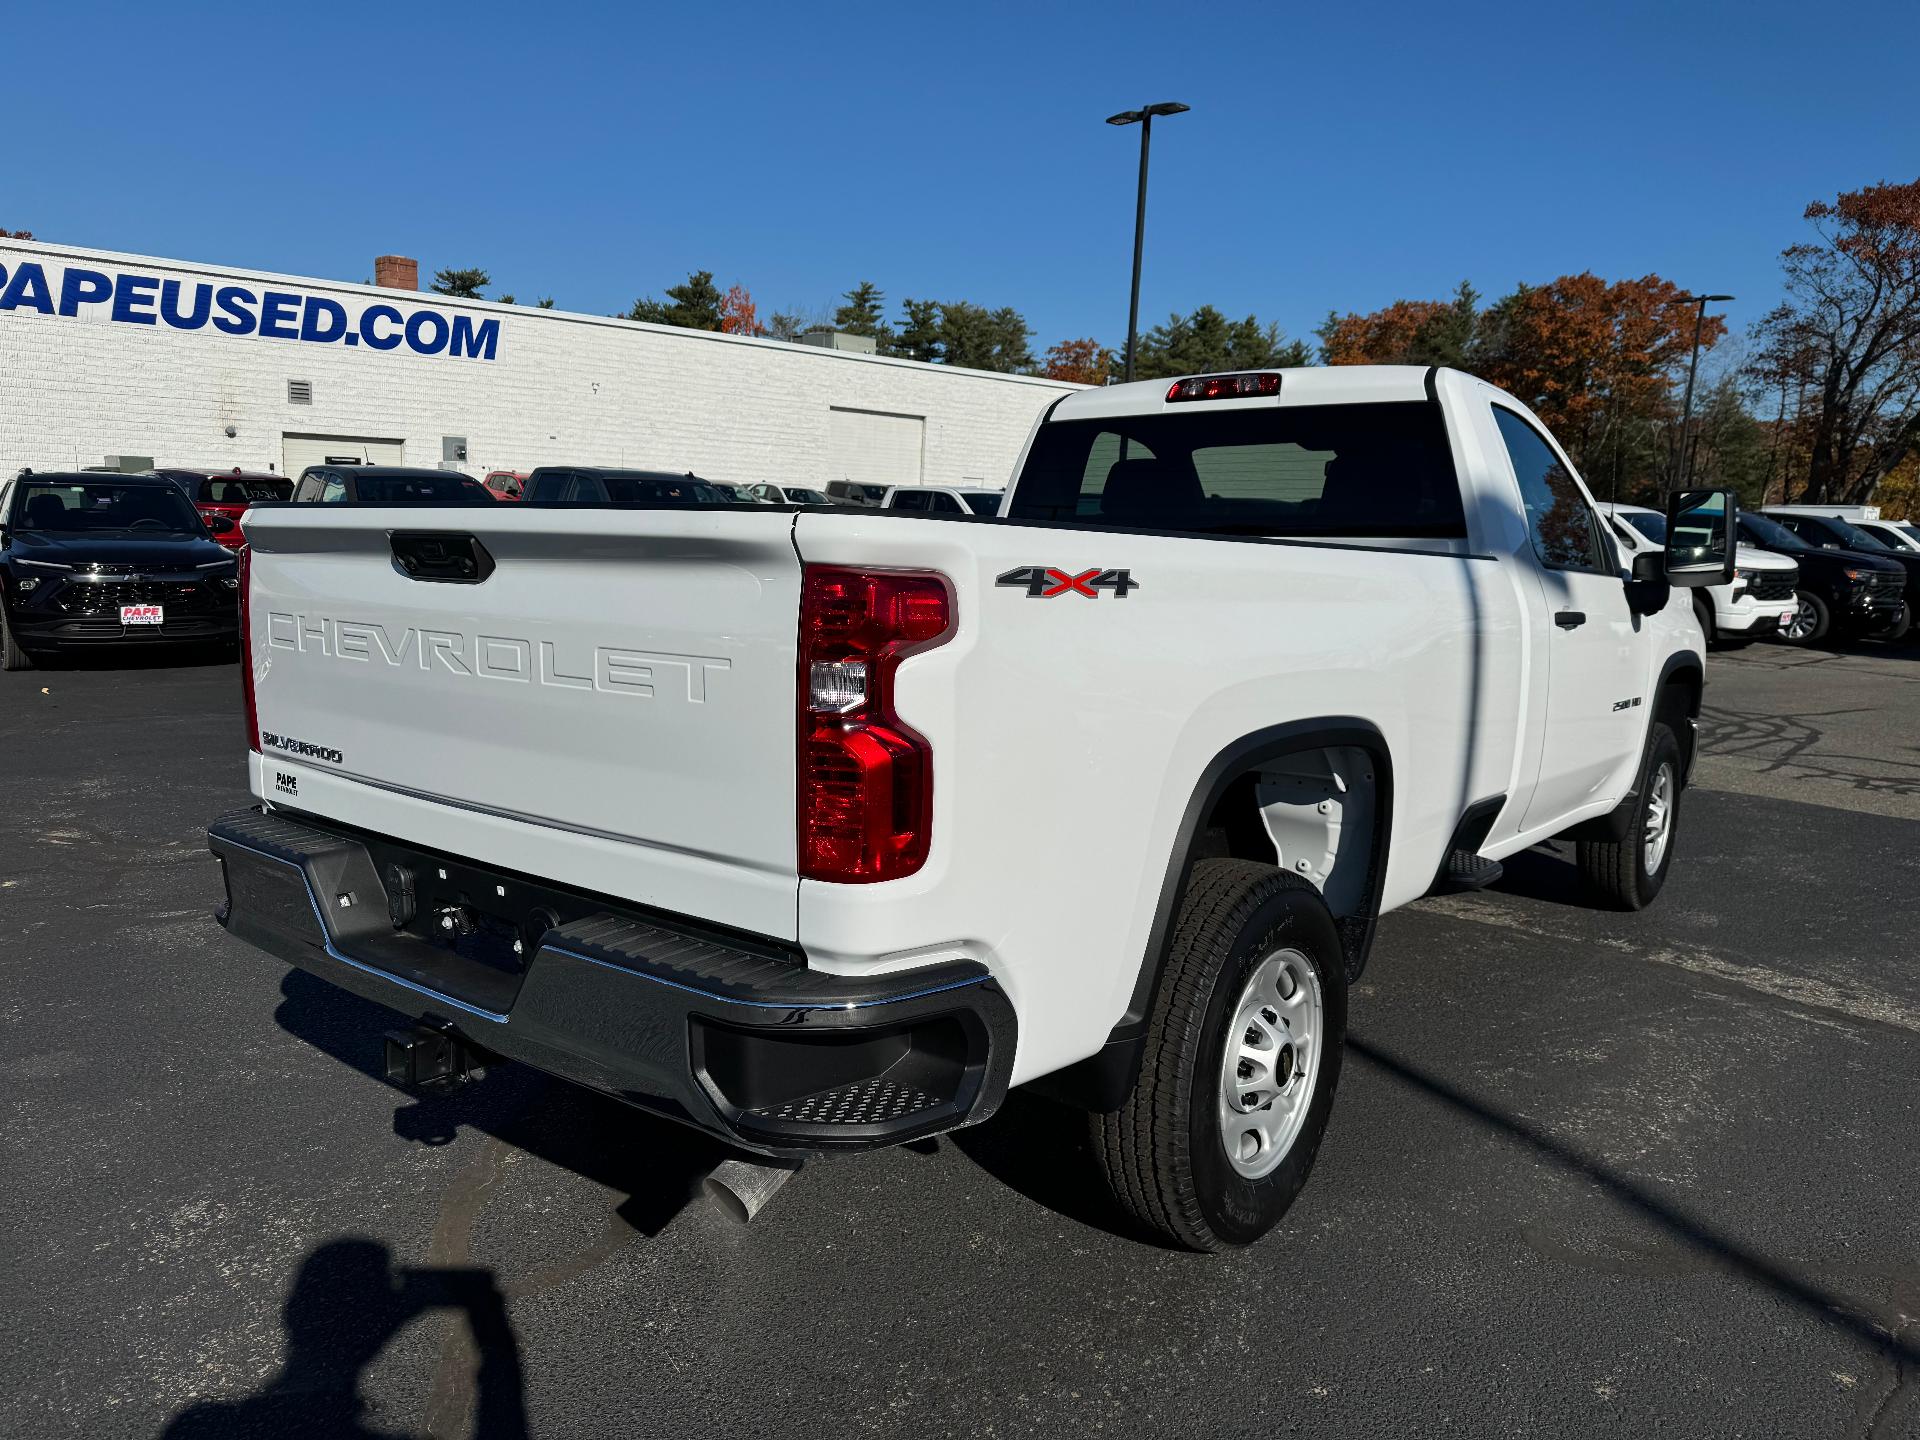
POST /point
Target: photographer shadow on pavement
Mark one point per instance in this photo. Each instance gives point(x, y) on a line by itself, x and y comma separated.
point(348, 1303)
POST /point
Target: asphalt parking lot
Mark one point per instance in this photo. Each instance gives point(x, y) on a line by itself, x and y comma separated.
point(1587, 1171)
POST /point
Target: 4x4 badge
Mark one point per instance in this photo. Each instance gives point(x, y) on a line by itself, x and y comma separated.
point(1044, 582)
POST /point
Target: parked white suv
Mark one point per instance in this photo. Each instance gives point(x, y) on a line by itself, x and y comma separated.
point(819, 828)
point(1902, 535)
point(1759, 602)
point(943, 500)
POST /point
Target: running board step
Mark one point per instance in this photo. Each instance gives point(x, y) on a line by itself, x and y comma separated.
point(1465, 870)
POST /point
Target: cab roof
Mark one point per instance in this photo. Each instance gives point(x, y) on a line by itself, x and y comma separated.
point(1304, 385)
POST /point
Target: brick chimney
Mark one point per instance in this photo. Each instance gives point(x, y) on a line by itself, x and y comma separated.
point(396, 272)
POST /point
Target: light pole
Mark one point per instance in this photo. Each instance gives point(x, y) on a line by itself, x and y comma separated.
point(1144, 117)
point(1681, 451)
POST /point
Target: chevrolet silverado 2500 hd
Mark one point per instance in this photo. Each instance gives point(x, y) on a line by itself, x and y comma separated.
point(820, 828)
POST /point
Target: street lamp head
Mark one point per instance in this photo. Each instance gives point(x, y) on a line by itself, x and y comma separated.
point(1715, 299)
point(1134, 117)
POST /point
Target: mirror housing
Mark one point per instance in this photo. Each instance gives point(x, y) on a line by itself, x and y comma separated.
point(1700, 537)
point(1647, 587)
point(219, 524)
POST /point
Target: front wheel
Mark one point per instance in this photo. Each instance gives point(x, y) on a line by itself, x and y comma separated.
point(1243, 1053)
point(1811, 620)
point(12, 657)
point(1703, 612)
point(1627, 874)
point(1897, 628)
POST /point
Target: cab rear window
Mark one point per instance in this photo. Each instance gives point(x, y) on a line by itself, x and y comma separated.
point(1367, 470)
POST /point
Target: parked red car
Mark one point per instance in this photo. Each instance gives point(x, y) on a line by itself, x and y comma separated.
point(222, 497)
point(505, 484)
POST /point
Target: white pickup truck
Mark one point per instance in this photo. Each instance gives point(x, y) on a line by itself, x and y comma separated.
point(819, 829)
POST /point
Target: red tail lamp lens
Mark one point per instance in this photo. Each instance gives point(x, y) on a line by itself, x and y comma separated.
point(1225, 387)
point(866, 778)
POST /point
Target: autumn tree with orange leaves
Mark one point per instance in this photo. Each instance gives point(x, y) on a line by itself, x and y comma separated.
point(1846, 345)
point(1083, 362)
point(1597, 360)
point(737, 316)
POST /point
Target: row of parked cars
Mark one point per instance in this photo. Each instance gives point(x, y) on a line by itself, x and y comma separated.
point(97, 557)
point(594, 484)
point(101, 558)
point(1806, 573)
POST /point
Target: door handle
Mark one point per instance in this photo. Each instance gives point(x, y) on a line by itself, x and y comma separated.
point(1570, 619)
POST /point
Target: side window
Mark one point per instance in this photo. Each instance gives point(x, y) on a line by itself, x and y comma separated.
point(334, 491)
point(1564, 535)
point(910, 500)
point(943, 504)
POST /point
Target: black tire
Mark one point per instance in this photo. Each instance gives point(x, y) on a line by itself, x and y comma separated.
point(12, 657)
point(1616, 870)
point(1902, 623)
point(1703, 612)
point(1165, 1150)
point(1812, 621)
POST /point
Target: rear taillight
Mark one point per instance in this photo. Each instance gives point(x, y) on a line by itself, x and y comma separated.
point(244, 558)
point(866, 779)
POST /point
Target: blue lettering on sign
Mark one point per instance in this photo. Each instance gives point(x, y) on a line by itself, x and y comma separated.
point(237, 310)
point(379, 340)
point(28, 288)
point(170, 306)
point(334, 314)
point(133, 297)
point(277, 312)
point(83, 287)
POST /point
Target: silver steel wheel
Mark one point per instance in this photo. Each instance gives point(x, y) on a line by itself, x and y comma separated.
point(1659, 826)
point(1804, 619)
point(1272, 1060)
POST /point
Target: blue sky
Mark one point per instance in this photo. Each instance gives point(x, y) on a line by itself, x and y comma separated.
point(1337, 157)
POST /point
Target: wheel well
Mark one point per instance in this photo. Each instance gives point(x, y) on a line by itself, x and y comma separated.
point(1311, 812)
point(1259, 799)
point(1678, 705)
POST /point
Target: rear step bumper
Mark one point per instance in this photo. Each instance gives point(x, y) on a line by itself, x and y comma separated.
point(729, 1034)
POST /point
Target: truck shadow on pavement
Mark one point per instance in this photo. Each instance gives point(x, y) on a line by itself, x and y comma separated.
point(656, 1164)
point(1885, 1336)
point(348, 1303)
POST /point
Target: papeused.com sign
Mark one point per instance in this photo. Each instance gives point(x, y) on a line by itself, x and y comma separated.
point(133, 299)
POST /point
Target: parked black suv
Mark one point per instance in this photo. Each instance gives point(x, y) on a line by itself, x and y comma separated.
point(1829, 532)
point(1842, 592)
point(101, 559)
point(603, 485)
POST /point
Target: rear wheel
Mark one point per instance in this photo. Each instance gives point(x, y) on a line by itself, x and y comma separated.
point(1811, 620)
point(1243, 1054)
point(12, 657)
point(1628, 873)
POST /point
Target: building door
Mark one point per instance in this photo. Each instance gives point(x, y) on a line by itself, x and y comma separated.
point(872, 448)
point(299, 451)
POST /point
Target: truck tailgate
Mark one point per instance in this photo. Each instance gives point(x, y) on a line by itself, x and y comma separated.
point(609, 703)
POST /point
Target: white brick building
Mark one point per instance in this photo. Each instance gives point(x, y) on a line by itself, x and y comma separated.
point(104, 354)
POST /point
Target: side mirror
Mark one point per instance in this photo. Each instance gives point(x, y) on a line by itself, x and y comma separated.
point(219, 524)
point(1699, 549)
point(1647, 589)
